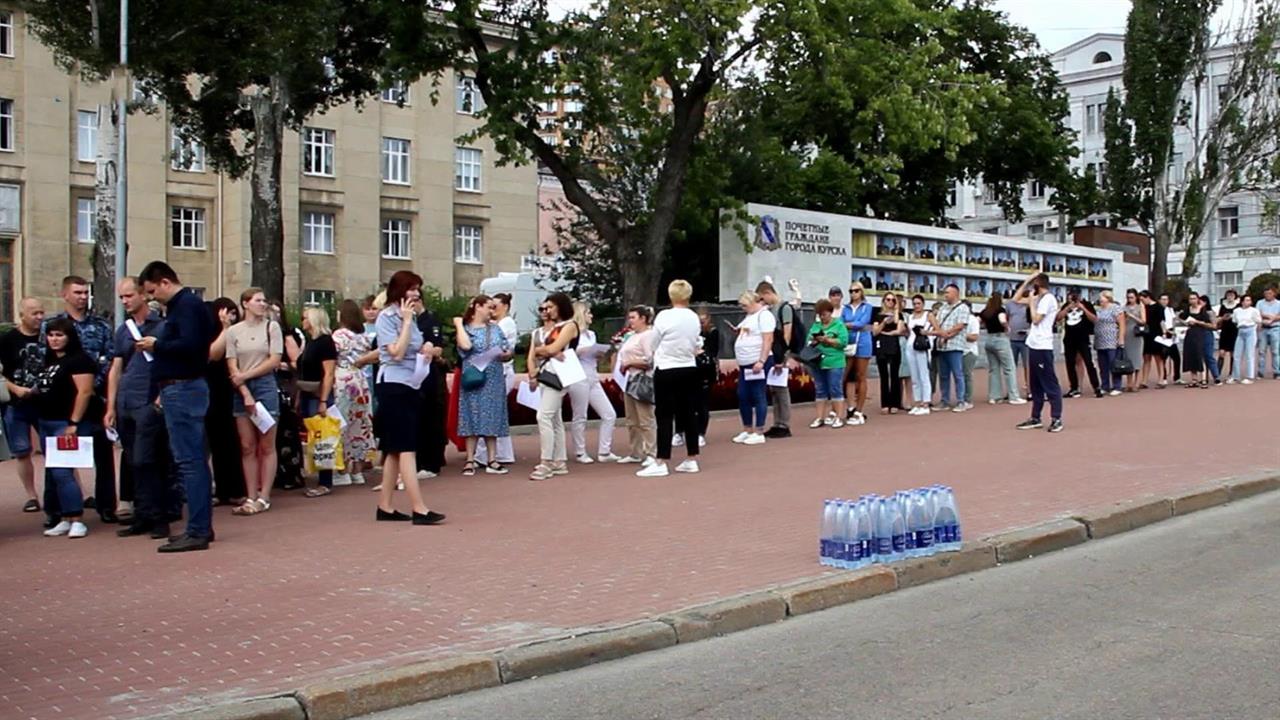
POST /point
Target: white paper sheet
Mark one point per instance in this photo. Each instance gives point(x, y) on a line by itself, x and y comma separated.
point(421, 369)
point(82, 457)
point(336, 414)
point(778, 377)
point(749, 374)
point(619, 377)
point(262, 419)
point(1166, 341)
point(569, 370)
point(137, 335)
point(529, 397)
point(482, 359)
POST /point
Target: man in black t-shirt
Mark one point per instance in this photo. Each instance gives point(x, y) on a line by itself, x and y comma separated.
point(432, 429)
point(785, 315)
point(1078, 316)
point(22, 358)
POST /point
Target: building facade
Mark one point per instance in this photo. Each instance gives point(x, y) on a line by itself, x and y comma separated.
point(366, 191)
point(1237, 245)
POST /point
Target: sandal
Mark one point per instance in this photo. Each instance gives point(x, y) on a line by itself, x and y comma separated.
point(469, 469)
point(316, 492)
point(262, 504)
point(248, 507)
point(495, 468)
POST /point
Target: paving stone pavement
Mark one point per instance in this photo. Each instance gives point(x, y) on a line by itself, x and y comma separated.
point(314, 589)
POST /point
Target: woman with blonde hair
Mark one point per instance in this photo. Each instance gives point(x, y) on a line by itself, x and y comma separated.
point(677, 340)
point(317, 367)
point(254, 347)
point(857, 318)
point(590, 394)
point(752, 349)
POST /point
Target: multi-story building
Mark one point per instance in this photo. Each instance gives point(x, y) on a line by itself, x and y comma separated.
point(367, 191)
point(1235, 248)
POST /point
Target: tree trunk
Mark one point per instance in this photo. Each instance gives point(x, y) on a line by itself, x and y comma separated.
point(105, 196)
point(639, 261)
point(266, 210)
point(1160, 259)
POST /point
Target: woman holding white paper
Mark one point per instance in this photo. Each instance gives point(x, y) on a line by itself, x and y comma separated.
point(254, 347)
point(482, 399)
point(752, 350)
point(63, 391)
point(548, 345)
point(590, 394)
point(317, 368)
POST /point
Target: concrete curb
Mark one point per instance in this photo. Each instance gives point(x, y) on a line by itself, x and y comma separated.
point(397, 687)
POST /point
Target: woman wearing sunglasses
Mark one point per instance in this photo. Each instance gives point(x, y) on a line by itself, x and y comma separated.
point(857, 320)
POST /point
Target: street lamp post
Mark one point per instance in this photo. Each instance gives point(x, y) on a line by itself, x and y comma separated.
point(122, 159)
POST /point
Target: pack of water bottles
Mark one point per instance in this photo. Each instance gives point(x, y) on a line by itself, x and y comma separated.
point(876, 529)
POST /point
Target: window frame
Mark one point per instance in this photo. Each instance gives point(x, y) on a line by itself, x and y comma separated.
point(8, 125)
point(1031, 235)
point(397, 93)
point(460, 164)
point(178, 150)
point(466, 87)
point(319, 143)
point(7, 36)
point(1037, 190)
point(391, 156)
point(196, 221)
point(396, 230)
point(86, 135)
point(327, 297)
point(463, 238)
point(308, 227)
point(1230, 222)
point(92, 219)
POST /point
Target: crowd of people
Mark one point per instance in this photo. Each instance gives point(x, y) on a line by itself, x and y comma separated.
point(207, 400)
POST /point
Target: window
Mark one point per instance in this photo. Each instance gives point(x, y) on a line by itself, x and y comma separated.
point(322, 298)
point(1093, 116)
point(551, 139)
point(6, 37)
point(87, 135)
point(188, 228)
point(395, 161)
point(395, 239)
point(530, 262)
point(6, 124)
point(1228, 221)
point(186, 156)
point(317, 233)
point(466, 169)
point(988, 194)
point(1036, 189)
point(548, 104)
point(317, 151)
point(467, 240)
point(951, 196)
point(1035, 232)
point(1175, 169)
point(397, 92)
point(550, 57)
point(467, 98)
point(1102, 57)
point(991, 230)
point(86, 219)
point(573, 98)
point(1099, 171)
point(1226, 280)
point(6, 278)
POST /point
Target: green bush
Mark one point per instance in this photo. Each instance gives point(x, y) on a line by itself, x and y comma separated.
point(1262, 282)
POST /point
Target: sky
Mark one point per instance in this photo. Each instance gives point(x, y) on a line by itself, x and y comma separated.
point(1058, 23)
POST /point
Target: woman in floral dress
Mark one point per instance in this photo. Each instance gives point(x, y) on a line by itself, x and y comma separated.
point(351, 389)
point(482, 409)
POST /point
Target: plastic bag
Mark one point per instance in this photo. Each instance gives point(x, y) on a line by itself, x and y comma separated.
point(323, 447)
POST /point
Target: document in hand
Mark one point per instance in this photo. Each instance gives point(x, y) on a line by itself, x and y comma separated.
point(569, 370)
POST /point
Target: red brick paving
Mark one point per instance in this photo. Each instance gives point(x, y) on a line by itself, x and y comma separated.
point(107, 628)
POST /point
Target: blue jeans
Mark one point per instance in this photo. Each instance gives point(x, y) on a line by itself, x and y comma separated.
point(185, 404)
point(19, 420)
point(753, 397)
point(1210, 357)
point(1107, 359)
point(1246, 354)
point(1019, 348)
point(62, 496)
point(950, 365)
point(828, 384)
point(1271, 339)
point(1044, 384)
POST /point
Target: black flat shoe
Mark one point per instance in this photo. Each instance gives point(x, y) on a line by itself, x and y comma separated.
point(90, 503)
point(175, 538)
point(184, 543)
point(109, 517)
point(160, 532)
point(393, 516)
point(31, 506)
point(431, 518)
point(134, 530)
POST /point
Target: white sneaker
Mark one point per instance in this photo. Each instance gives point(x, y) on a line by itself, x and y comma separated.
point(754, 439)
point(1114, 393)
point(422, 475)
point(677, 441)
point(741, 437)
point(342, 479)
point(992, 402)
point(702, 441)
point(1018, 401)
point(78, 530)
point(357, 479)
point(817, 423)
point(1231, 381)
point(61, 528)
point(610, 458)
point(688, 466)
point(924, 411)
point(959, 408)
point(915, 410)
point(647, 461)
point(829, 419)
point(628, 460)
point(1246, 381)
point(859, 419)
point(584, 459)
point(838, 423)
point(653, 470)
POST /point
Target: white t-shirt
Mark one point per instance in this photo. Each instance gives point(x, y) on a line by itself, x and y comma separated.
point(1040, 336)
point(750, 343)
point(1246, 317)
point(512, 333)
point(974, 327)
point(679, 335)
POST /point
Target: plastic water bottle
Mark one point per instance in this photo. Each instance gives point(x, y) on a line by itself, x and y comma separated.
point(827, 533)
point(919, 524)
point(865, 531)
point(844, 508)
point(891, 533)
point(946, 522)
point(903, 500)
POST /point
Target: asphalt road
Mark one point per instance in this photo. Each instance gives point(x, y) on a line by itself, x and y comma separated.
point(1179, 620)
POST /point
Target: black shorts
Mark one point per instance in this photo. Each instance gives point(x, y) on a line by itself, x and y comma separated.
point(396, 421)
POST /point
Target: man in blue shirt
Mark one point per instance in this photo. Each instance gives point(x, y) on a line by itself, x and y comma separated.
point(181, 352)
point(131, 409)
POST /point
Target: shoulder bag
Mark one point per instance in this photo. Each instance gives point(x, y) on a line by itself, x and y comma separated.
point(640, 387)
point(472, 376)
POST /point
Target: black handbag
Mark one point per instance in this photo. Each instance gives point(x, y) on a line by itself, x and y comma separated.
point(920, 343)
point(548, 377)
point(1122, 366)
point(811, 355)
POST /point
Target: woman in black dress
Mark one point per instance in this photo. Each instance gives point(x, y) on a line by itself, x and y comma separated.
point(1227, 331)
point(1199, 323)
point(219, 423)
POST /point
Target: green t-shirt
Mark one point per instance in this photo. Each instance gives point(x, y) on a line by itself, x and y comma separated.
point(832, 356)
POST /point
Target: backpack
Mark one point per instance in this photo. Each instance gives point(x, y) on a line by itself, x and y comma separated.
point(781, 347)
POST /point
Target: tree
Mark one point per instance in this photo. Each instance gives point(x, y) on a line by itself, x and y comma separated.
point(1262, 282)
point(1227, 128)
point(235, 74)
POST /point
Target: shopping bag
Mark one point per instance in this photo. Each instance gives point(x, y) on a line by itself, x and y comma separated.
point(68, 452)
point(323, 447)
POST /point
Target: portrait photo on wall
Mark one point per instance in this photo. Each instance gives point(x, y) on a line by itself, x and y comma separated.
point(1060, 292)
point(1006, 288)
point(1030, 262)
point(1006, 259)
point(946, 280)
point(979, 255)
point(951, 254)
point(891, 246)
point(925, 284)
point(1098, 269)
point(925, 250)
point(883, 283)
point(977, 288)
point(1076, 267)
point(1055, 264)
point(864, 275)
point(898, 281)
